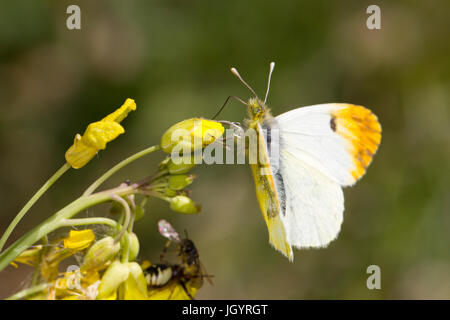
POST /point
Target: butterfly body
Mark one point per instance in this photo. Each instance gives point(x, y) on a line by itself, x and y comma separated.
point(270, 199)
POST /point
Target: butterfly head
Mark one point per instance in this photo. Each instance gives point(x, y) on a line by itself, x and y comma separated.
point(257, 108)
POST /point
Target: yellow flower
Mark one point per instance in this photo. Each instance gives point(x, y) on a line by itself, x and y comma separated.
point(79, 240)
point(62, 249)
point(97, 135)
point(29, 257)
point(73, 243)
point(135, 287)
point(75, 285)
point(172, 291)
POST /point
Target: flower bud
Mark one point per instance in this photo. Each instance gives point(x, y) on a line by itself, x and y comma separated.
point(170, 192)
point(180, 181)
point(115, 275)
point(99, 255)
point(180, 168)
point(191, 134)
point(139, 212)
point(133, 246)
point(183, 204)
point(135, 286)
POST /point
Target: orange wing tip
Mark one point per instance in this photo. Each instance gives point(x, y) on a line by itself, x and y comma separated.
point(360, 127)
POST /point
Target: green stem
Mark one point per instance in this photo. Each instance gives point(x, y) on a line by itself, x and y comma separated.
point(29, 291)
point(32, 201)
point(127, 215)
point(53, 222)
point(133, 213)
point(37, 268)
point(87, 221)
point(157, 195)
point(117, 167)
point(157, 185)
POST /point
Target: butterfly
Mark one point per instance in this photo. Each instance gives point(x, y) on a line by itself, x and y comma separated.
point(321, 149)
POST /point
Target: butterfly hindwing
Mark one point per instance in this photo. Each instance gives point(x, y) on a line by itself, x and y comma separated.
point(314, 204)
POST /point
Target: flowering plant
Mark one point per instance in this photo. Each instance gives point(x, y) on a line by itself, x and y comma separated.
point(108, 268)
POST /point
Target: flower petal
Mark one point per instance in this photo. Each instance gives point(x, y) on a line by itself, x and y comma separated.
point(79, 240)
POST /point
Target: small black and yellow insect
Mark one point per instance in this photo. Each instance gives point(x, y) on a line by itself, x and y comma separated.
point(188, 273)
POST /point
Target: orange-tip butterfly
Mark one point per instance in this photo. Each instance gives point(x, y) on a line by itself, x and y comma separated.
point(322, 148)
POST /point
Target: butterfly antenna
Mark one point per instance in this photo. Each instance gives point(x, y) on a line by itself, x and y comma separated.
point(225, 103)
point(272, 66)
point(236, 73)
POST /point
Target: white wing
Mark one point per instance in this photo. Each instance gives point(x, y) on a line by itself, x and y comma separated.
point(314, 204)
point(322, 148)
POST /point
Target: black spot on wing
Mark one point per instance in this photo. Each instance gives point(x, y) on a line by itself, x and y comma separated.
point(333, 123)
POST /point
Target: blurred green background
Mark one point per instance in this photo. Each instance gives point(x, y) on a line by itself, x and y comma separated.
point(173, 57)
